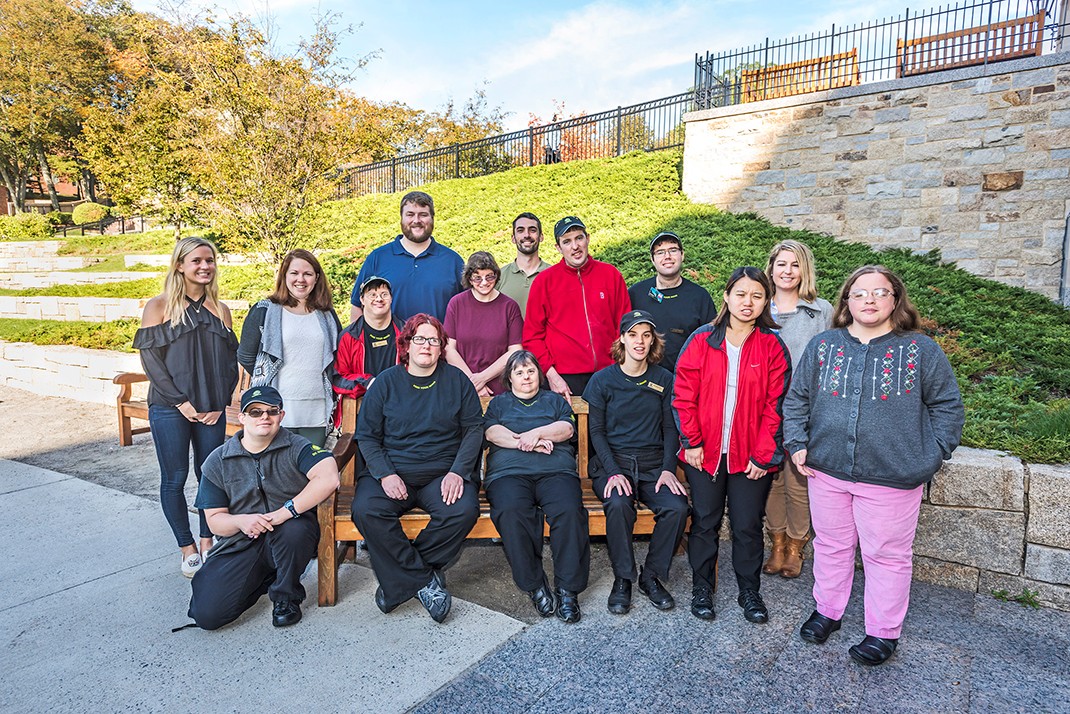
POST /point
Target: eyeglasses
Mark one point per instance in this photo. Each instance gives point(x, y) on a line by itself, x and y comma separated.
point(257, 413)
point(421, 340)
point(666, 251)
point(878, 294)
point(483, 279)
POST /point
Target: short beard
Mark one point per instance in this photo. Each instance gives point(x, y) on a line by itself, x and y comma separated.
point(533, 250)
point(408, 235)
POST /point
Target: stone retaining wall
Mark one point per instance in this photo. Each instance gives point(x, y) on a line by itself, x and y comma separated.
point(88, 309)
point(61, 371)
point(21, 281)
point(28, 248)
point(975, 162)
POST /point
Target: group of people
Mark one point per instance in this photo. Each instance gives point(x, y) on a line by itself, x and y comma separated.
point(793, 414)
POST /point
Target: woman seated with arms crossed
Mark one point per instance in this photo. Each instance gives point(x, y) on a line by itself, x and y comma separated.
point(635, 441)
point(875, 383)
point(531, 465)
point(288, 342)
point(485, 327)
point(730, 381)
point(420, 430)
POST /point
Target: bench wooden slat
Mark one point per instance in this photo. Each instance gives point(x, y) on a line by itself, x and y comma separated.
point(801, 77)
point(1009, 39)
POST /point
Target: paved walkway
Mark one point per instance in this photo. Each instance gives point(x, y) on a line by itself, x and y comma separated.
point(87, 621)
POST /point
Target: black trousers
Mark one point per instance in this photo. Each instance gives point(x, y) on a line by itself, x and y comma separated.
point(746, 509)
point(403, 567)
point(230, 582)
point(513, 502)
point(577, 382)
point(670, 518)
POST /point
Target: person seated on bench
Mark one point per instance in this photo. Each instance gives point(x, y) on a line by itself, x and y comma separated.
point(259, 492)
point(635, 441)
point(420, 430)
point(531, 465)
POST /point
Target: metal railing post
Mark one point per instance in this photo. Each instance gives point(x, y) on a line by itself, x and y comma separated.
point(620, 116)
point(394, 175)
point(531, 146)
point(456, 162)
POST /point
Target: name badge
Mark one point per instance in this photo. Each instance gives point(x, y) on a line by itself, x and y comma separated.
point(656, 294)
point(380, 343)
point(656, 387)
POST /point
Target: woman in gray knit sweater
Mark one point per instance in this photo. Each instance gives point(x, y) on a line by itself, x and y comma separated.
point(801, 314)
point(872, 412)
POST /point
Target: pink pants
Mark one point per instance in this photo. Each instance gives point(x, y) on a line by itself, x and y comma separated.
point(882, 521)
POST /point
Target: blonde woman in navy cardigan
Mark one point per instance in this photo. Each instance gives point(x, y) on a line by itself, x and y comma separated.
point(872, 412)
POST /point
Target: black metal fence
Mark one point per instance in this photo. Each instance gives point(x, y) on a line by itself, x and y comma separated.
point(648, 126)
point(126, 224)
point(959, 35)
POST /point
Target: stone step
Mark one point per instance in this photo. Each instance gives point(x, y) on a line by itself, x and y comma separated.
point(29, 248)
point(49, 264)
point(87, 309)
point(46, 279)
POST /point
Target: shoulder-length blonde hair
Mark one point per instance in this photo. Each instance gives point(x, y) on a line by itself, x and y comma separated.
point(904, 317)
point(174, 285)
point(318, 299)
point(807, 274)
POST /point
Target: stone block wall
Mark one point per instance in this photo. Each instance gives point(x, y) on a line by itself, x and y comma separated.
point(975, 162)
point(87, 309)
point(990, 522)
point(61, 371)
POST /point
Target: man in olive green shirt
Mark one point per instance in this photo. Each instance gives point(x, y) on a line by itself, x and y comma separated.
point(517, 276)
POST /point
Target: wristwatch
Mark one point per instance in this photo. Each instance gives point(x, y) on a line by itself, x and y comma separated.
point(289, 506)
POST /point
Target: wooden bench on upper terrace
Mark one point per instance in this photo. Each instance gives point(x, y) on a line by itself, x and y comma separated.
point(809, 75)
point(1010, 39)
point(129, 408)
point(338, 533)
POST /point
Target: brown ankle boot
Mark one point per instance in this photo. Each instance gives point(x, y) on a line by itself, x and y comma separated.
point(776, 554)
point(793, 558)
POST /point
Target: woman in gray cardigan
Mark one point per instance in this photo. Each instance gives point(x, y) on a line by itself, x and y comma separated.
point(289, 340)
point(801, 314)
point(872, 412)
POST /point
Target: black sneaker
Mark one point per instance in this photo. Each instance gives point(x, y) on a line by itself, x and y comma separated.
point(286, 613)
point(568, 606)
point(753, 606)
point(653, 589)
point(380, 601)
point(620, 596)
point(542, 598)
point(702, 603)
point(436, 599)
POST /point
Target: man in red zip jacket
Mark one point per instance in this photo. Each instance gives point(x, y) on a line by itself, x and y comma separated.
point(369, 345)
point(573, 312)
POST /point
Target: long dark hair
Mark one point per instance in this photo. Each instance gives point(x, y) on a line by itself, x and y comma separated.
point(318, 299)
point(765, 319)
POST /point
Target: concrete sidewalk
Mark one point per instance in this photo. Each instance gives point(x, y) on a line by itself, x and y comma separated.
point(87, 618)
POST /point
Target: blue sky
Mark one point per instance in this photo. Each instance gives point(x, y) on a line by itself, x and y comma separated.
point(590, 55)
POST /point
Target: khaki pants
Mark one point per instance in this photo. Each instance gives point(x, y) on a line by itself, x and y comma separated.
point(788, 507)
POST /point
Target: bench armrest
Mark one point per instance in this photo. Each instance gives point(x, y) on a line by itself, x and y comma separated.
point(129, 378)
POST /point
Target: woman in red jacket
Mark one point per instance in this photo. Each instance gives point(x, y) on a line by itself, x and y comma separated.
point(730, 381)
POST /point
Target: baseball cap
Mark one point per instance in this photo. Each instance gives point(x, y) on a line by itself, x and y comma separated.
point(663, 237)
point(372, 281)
point(636, 317)
point(261, 395)
point(566, 224)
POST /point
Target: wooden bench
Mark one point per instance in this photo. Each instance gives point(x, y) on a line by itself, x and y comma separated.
point(1010, 39)
point(129, 408)
point(802, 77)
point(338, 533)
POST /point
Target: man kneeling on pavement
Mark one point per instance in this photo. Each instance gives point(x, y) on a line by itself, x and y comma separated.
point(259, 492)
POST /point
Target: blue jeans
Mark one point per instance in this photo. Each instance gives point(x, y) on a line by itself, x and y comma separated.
point(172, 434)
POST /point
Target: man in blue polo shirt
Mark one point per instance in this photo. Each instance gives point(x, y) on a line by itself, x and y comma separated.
point(423, 273)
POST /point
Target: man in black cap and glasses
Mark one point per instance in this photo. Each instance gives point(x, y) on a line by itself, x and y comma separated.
point(259, 492)
point(678, 305)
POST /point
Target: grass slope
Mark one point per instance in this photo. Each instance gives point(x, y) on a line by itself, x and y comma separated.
point(1008, 346)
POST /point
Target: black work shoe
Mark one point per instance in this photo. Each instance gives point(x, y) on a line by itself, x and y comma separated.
point(620, 597)
point(702, 603)
point(543, 599)
point(568, 606)
point(753, 606)
point(286, 613)
point(653, 589)
point(818, 628)
point(873, 650)
point(380, 601)
point(435, 599)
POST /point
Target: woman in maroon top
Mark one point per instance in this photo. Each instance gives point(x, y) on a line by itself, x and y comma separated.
point(484, 326)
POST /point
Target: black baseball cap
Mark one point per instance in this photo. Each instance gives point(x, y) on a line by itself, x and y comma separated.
point(663, 237)
point(261, 395)
point(373, 281)
point(636, 317)
point(566, 224)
